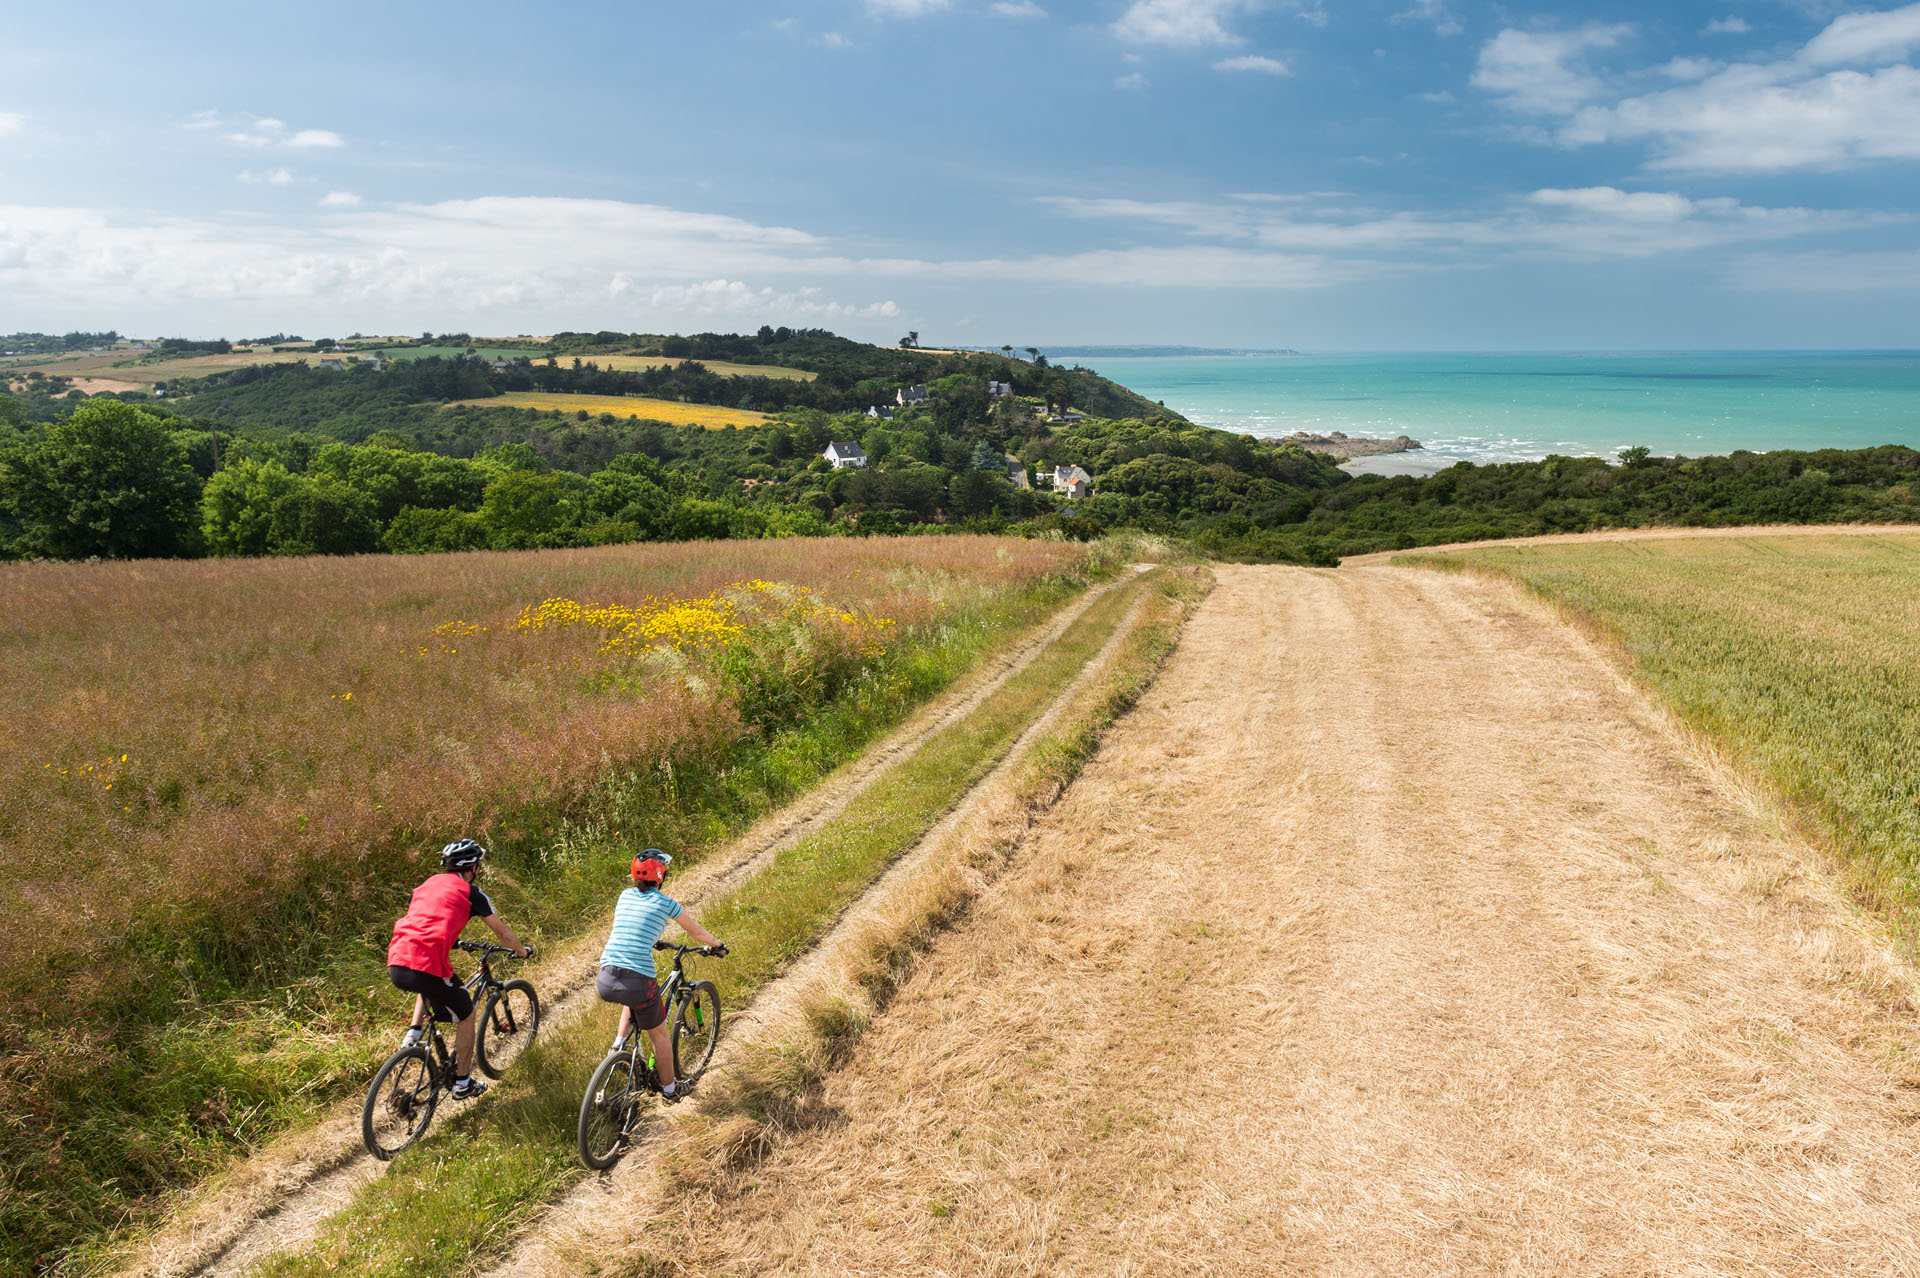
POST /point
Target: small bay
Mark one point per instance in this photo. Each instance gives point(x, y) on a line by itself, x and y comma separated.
point(1511, 407)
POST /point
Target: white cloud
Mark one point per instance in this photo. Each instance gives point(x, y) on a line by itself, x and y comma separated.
point(1252, 62)
point(340, 200)
point(1543, 71)
point(1741, 120)
point(1866, 38)
point(834, 40)
point(1022, 9)
point(1435, 12)
point(272, 177)
point(1132, 82)
point(906, 8)
point(11, 122)
point(1183, 24)
point(1439, 97)
point(1735, 25)
point(1845, 99)
point(260, 132)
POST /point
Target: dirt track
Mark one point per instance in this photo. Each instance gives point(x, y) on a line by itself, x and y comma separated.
point(1392, 934)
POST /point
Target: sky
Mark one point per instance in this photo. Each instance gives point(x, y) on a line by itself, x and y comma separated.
point(1305, 174)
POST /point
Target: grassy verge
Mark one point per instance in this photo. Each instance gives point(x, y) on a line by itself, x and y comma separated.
point(474, 1180)
point(1793, 656)
point(224, 1075)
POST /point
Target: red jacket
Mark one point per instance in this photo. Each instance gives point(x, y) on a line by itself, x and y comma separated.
point(423, 937)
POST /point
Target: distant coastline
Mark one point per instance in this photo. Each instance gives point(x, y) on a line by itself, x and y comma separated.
point(1156, 352)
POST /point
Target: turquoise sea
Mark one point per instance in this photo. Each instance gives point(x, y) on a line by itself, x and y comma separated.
point(1495, 407)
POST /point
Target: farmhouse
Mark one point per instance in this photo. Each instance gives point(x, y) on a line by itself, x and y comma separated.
point(908, 395)
point(374, 362)
point(845, 455)
point(1016, 471)
point(880, 412)
point(334, 364)
point(1073, 481)
point(999, 389)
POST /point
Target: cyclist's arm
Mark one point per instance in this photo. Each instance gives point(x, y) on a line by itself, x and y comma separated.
point(694, 930)
point(505, 933)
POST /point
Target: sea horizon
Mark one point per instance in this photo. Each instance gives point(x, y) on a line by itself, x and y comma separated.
point(1487, 406)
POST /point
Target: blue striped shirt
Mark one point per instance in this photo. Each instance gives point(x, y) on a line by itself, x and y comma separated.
point(638, 920)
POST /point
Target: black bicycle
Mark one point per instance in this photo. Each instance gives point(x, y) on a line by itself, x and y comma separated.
point(626, 1076)
point(407, 1088)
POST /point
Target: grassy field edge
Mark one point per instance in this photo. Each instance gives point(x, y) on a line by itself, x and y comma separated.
point(515, 1155)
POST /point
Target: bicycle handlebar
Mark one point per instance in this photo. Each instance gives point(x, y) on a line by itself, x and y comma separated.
point(488, 948)
point(711, 951)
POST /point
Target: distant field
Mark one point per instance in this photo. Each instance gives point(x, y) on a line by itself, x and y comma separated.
point(1795, 653)
point(455, 352)
point(726, 368)
point(655, 410)
point(131, 369)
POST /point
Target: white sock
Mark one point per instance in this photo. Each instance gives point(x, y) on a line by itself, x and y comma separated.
point(617, 1040)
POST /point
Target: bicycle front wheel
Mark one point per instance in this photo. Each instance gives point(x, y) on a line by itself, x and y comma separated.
point(696, 1029)
point(400, 1103)
point(607, 1111)
point(507, 1027)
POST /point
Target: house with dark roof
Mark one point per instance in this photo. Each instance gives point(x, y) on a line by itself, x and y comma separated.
point(907, 396)
point(1073, 481)
point(844, 456)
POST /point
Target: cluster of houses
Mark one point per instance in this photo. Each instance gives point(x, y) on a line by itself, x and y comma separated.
point(375, 362)
point(1072, 481)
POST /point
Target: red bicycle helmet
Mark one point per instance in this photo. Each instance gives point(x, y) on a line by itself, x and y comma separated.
point(651, 867)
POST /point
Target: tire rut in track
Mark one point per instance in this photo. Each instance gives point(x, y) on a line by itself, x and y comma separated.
point(1394, 932)
point(283, 1204)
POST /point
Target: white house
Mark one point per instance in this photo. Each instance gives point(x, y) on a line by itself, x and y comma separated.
point(844, 455)
point(334, 364)
point(374, 362)
point(1016, 471)
point(880, 413)
point(1073, 481)
point(910, 395)
point(998, 389)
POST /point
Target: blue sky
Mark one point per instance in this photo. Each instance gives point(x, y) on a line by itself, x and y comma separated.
point(1412, 174)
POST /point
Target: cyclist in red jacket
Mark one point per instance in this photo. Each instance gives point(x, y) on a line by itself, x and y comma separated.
point(420, 959)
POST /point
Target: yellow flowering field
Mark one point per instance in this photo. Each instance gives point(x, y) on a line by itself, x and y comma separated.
point(222, 777)
point(671, 411)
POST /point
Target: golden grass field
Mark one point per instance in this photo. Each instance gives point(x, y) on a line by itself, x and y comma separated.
point(1795, 653)
point(670, 411)
point(219, 773)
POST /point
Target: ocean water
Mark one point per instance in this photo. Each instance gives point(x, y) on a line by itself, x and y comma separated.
point(1494, 407)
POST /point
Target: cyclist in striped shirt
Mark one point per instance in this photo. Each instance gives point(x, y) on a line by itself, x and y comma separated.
point(627, 974)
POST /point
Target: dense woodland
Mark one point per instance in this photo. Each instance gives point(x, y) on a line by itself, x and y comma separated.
point(292, 459)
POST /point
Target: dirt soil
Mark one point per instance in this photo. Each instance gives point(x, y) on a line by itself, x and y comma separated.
point(1393, 933)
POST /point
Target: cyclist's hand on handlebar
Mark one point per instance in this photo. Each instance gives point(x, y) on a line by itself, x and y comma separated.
point(663, 945)
point(715, 951)
point(526, 951)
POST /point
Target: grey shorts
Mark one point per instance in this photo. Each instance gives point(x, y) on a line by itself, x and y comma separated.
point(632, 989)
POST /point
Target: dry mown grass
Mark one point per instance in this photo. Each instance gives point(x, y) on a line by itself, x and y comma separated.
point(224, 771)
point(1392, 934)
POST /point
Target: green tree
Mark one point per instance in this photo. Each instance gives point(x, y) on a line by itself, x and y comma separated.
point(524, 509)
point(236, 510)
point(108, 481)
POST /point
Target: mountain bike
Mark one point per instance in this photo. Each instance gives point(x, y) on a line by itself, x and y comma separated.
point(627, 1076)
point(407, 1089)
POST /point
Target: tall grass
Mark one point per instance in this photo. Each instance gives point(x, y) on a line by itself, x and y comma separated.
point(1795, 655)
point(460, 1194)
point(224, 776)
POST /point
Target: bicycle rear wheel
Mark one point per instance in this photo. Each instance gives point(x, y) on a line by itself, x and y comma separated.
point(400, 1103)
point(607, 1110)
point(696, 1029)
point(507, 1027)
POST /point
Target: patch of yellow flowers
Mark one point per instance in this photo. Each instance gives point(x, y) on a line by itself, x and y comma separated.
point(710, 621)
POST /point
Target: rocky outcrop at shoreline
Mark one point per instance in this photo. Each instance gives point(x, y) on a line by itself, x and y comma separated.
point(1340, 444)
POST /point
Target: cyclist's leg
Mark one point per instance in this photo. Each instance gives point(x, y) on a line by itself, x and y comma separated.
point(419, 1012)
point(463, 1043)
point(662, 1037)
point(626, 1025)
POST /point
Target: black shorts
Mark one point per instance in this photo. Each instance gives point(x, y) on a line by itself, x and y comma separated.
point(632, 989)
point(447, 997)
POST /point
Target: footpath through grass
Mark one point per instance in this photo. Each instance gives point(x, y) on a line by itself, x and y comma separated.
point(1795, 654)
point(474, 1180)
